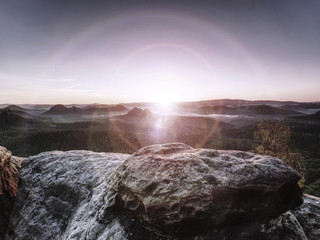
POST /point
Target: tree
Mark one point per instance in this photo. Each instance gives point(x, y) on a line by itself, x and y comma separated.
point(274, 137)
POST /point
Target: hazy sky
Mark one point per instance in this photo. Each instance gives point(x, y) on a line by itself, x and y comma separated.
point(76, 51)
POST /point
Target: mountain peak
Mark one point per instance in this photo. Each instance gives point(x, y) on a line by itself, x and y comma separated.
point(61, 109)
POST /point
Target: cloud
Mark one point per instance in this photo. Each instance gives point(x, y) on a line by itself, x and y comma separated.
point(62, 80)
point(15, 77)
point(72, 88)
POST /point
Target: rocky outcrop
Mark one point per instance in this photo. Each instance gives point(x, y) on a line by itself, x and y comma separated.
point(203, 194)
point(61, 194)
point(60, 109)
point(302, 223)
point(177, 190)
point(9, 167)
point(284, 227)
point(308, 215)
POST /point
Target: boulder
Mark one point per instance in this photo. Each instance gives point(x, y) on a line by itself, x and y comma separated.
point(81, 195)
point(179, 191)
point(8, 186)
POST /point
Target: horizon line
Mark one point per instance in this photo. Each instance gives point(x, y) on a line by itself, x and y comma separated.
point(174, 102)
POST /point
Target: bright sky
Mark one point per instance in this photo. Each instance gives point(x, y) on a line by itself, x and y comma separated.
point(98, 51)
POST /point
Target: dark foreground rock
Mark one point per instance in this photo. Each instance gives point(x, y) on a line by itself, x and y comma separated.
point(308, 215)
point(302, 222)
point(9, 167)
point(87, 195)
point(284, 227)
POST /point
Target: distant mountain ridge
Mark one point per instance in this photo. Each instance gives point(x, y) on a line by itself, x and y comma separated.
point(104, 109)
point(246, 110)
point(60, 109)
point(136, 113)
point(262, 108)
point(10, 118)
point(15, 108)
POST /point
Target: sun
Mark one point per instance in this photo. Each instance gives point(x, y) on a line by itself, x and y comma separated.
point(164, 102)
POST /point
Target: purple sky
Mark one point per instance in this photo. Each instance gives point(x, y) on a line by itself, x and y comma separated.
point(122, 51)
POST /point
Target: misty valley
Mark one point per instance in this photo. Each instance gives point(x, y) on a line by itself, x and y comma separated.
point(124, 128)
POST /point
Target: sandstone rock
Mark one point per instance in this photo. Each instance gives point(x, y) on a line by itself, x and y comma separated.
point(180, 191)
point(16, 162)
point(61, 194)
point(308, 215)
point(284, 227)
point(302, 223)
point(68, 195)
point(8, 186)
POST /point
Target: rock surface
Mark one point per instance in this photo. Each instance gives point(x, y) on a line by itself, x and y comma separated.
point(60, 195)
point(9, 167)
point(68, 195)
point(284, 227)
point(301, 223)
point(175, 189)
point(308, 215)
